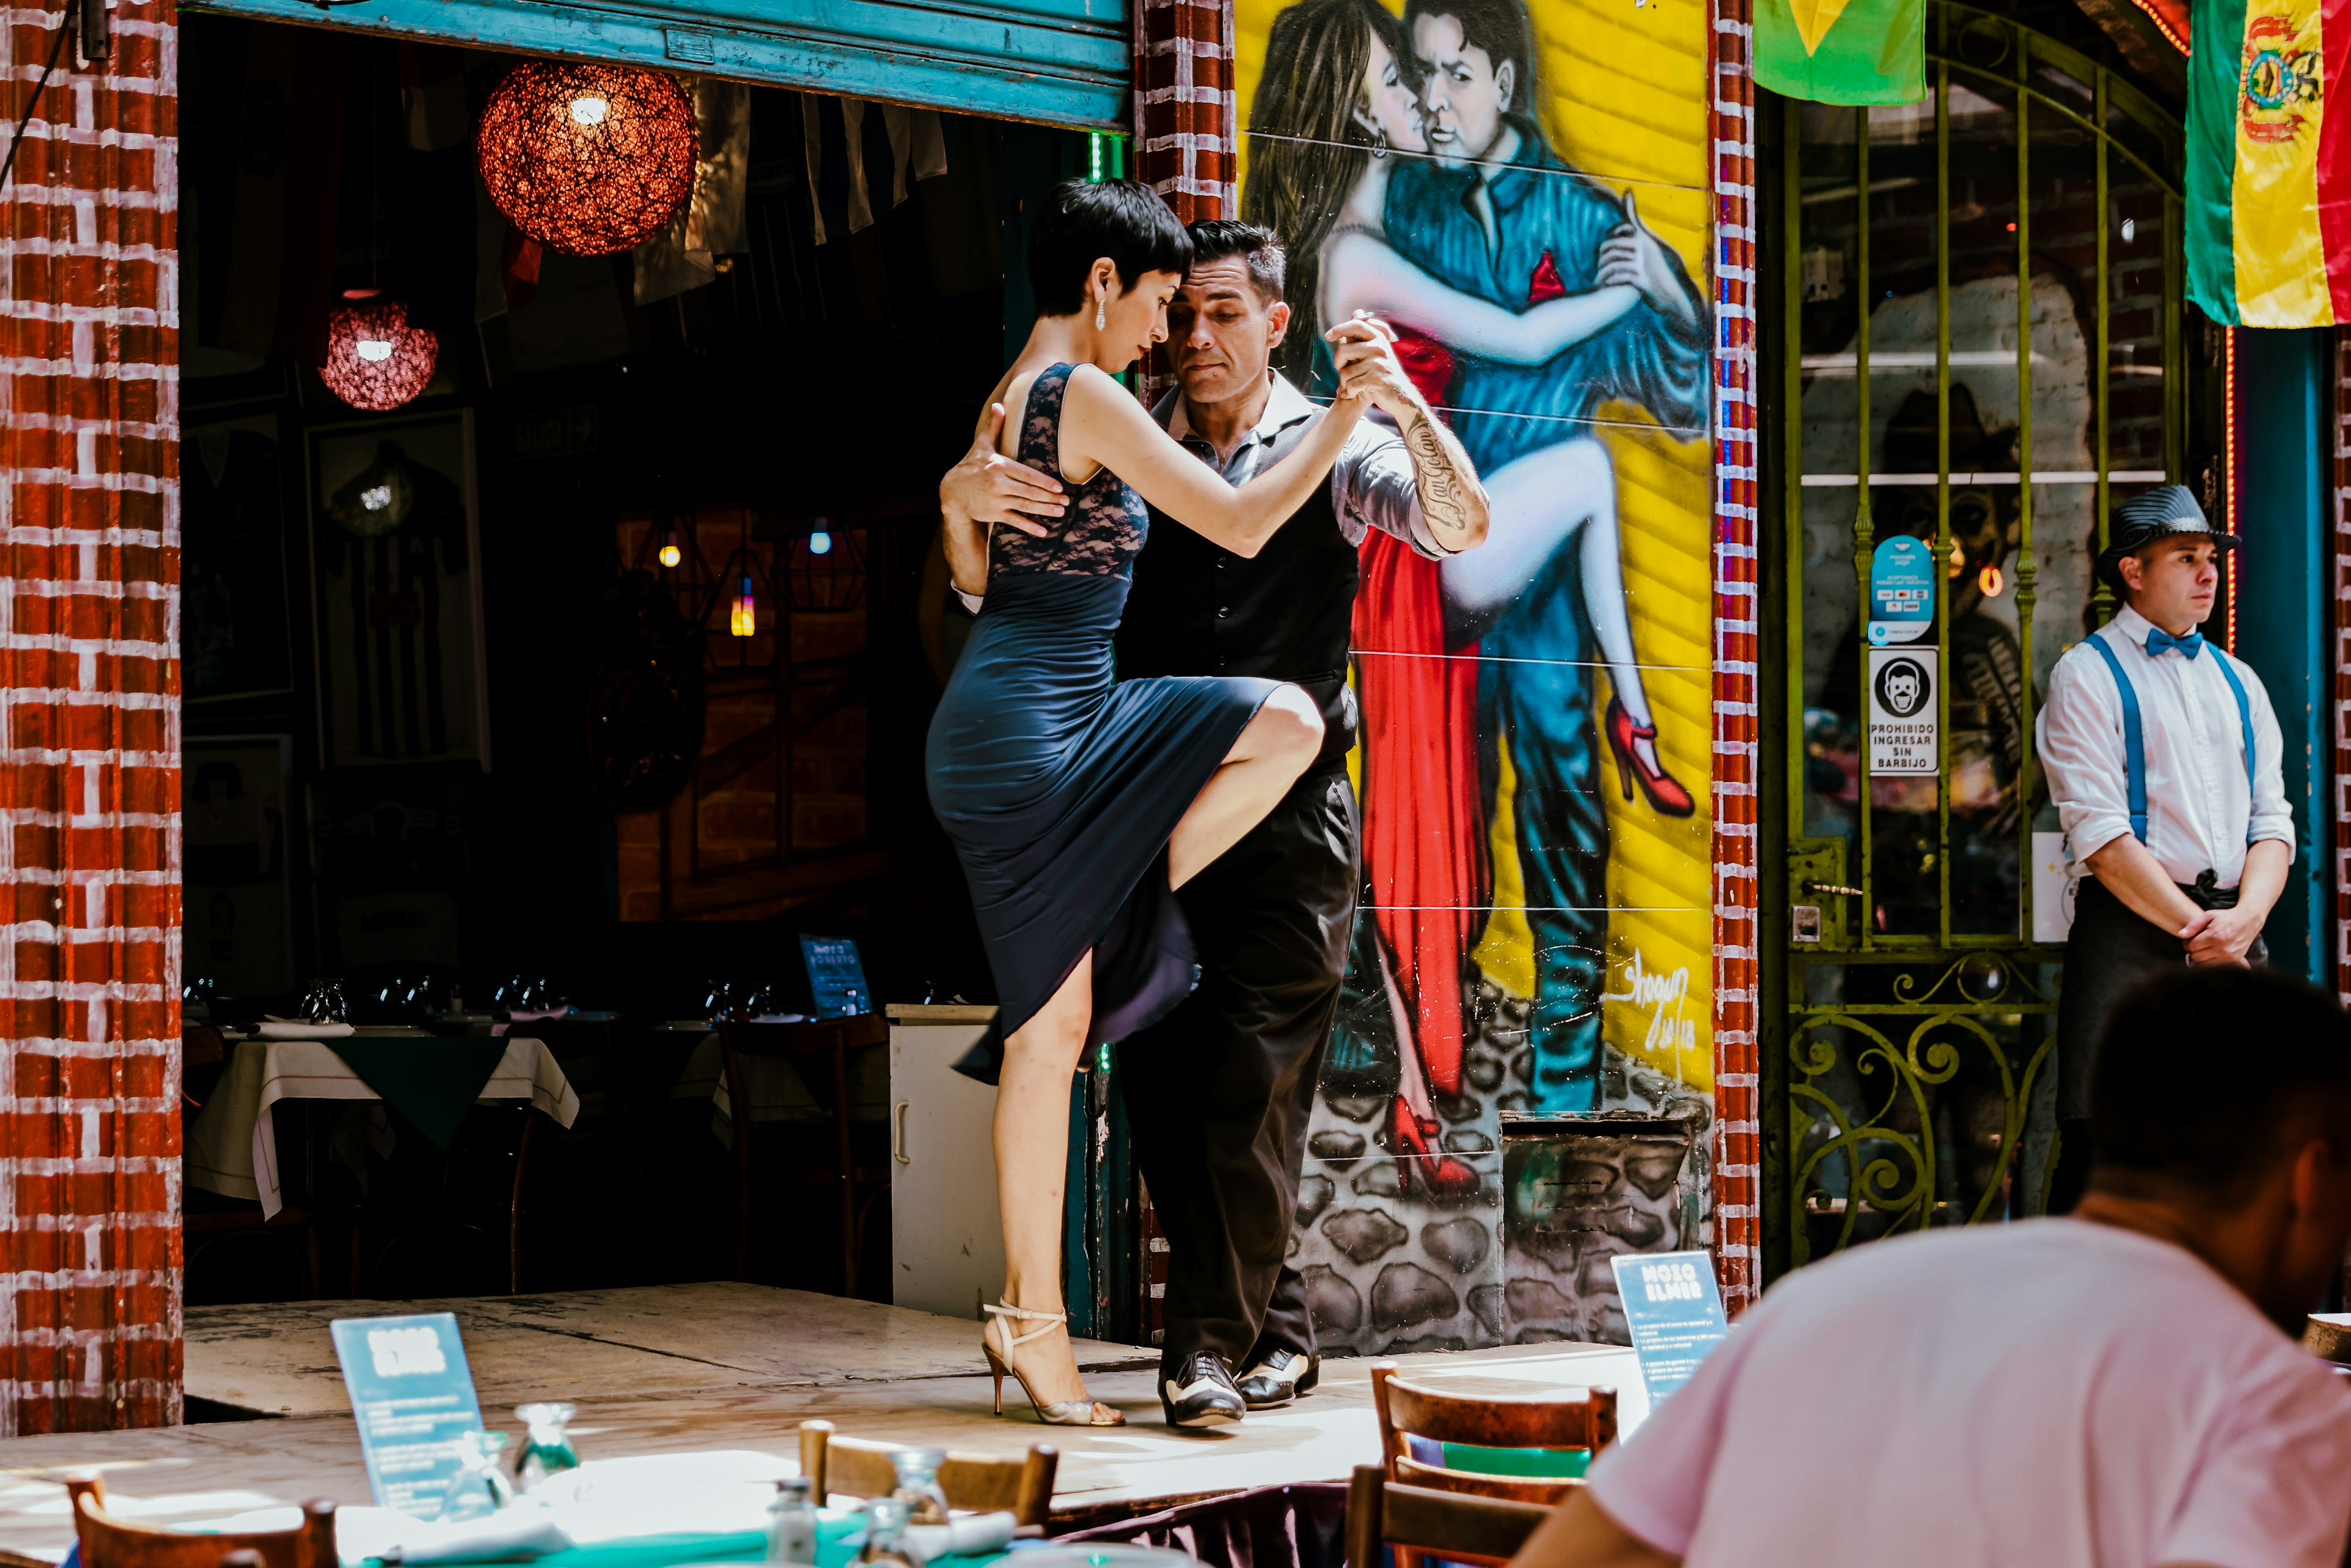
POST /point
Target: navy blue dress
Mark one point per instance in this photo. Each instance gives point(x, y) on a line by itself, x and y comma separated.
point(1060, 784)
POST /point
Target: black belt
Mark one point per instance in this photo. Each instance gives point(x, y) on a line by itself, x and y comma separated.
point(2207, 893)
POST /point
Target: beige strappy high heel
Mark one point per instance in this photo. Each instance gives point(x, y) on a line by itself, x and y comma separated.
point(1067, 1411)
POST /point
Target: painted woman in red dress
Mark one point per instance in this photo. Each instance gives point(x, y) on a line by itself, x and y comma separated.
point(1337, 97)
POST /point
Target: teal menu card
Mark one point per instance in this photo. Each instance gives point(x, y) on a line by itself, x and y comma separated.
point(413, 1396)
point(1675, 1310)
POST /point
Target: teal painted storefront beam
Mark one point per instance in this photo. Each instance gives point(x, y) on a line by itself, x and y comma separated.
point(2282, 576)
point(1057, 62)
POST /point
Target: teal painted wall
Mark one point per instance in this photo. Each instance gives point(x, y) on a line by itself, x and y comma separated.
point(2282, 625)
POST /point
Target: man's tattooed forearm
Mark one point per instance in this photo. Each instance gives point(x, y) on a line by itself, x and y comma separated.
point(1441, 499)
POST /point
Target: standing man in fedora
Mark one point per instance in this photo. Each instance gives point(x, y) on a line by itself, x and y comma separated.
point(2164, 761)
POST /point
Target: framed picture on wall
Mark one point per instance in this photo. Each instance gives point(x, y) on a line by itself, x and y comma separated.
point(238, 892)
point(395, 568)
point(234, 639)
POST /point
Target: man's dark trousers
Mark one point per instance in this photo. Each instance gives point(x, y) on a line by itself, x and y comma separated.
point(1220, 1094)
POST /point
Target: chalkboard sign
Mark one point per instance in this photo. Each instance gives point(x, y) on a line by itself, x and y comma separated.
point(413, 1396)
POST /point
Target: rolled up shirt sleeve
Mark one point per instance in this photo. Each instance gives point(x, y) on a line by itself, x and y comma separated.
point(1372, 486)
point(2270, 817)
point(2081, 746)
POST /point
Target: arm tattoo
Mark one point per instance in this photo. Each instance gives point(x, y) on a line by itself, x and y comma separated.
point(1434, 472)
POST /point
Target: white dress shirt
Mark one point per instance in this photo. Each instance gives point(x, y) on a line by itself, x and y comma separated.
point(2198, 805)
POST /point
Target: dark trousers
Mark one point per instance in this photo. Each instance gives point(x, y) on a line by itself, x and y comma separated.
point(1218, 1094)
point(2110, 949)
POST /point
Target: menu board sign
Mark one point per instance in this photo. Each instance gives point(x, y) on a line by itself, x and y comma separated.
point(1675, 1310)
point(835, 977)
point(413, 1397)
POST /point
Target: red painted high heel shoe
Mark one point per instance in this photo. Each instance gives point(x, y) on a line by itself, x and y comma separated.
point(1441, 1175)
point(1667, 798)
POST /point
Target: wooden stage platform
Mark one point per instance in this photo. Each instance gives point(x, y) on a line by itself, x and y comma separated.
point(677, 1369)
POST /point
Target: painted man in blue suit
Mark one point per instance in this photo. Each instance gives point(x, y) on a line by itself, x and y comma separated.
point(1495, 212)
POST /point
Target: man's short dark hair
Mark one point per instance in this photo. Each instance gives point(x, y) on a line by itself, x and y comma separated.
point(1498, 26)
point(1082, 221)
point(1213, 239)
point(2208, 1078)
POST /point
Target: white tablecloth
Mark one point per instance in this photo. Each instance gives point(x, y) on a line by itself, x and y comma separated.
point(233, 1143)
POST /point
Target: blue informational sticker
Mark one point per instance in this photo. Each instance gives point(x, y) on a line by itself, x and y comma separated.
point(1901, 591)
point(835, 977)
point(413, 1397)
point(1675, 1310)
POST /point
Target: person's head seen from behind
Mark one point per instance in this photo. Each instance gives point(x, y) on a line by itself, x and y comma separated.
point(1110, 252)
point(1229, 317)
point(2221, 1119)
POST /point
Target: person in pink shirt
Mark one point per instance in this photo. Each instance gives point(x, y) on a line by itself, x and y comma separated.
point(2119, 1388)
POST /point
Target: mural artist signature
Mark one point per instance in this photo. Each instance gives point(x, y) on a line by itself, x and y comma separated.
point(1666, 997)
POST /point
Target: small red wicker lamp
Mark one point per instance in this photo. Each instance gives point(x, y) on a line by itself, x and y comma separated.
point(375, 359)
point(588, 159)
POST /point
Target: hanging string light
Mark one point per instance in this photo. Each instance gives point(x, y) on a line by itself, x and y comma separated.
point(669, 554)
point(744, 622)
point(375, 359)
point(586, 158)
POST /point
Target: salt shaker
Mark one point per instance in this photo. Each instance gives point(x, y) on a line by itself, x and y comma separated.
point(792, 1523)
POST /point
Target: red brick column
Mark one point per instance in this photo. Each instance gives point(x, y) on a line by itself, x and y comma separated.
point(1184, 129)
point(89, 785)
point(1737, 1187)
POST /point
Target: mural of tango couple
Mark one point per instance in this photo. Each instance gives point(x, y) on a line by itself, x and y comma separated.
point(1522, 194)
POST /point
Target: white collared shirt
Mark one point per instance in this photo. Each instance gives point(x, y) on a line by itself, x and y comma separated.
point(2199, 808)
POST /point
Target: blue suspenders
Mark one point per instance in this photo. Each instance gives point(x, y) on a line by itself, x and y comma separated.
point(2135, 733)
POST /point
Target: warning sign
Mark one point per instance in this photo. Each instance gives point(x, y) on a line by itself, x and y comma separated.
point(1902, 732)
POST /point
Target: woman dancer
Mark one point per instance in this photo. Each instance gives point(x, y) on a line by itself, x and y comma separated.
point(1340, 93)
point(1076, 805)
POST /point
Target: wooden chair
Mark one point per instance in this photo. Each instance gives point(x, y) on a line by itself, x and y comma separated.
point(1448, 1526)
point(823, 1038)
point(857, 1467)
point(1406, 1410)
point(111, 1542)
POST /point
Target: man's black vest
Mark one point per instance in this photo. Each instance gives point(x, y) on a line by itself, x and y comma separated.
point(1198, 610)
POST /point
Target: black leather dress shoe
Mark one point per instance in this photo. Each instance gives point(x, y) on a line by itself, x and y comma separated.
point(1200, 1393)
point(1278, 1379)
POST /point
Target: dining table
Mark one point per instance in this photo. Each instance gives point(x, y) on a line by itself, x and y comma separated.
point(432, 1079)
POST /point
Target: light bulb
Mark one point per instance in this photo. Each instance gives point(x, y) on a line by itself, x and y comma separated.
point(590, 110)
point(744, 622)
point(374, 351)
point(1989, 581)
point(820, 542)
point(376, 498)
point(671, 555)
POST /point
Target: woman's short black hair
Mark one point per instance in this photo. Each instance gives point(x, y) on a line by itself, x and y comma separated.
point(1082, 221)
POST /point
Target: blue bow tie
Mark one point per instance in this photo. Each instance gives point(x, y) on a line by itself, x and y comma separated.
point(2159, 641)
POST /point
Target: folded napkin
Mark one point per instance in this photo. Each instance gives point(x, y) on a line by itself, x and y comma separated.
point(515, 1535)
point(285, 1028)
point(963, 1535)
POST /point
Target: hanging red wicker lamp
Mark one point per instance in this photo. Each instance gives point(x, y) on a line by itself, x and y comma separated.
point(375, 359)
point(586, 158)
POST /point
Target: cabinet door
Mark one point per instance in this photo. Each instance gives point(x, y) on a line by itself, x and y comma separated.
point(947, 1247)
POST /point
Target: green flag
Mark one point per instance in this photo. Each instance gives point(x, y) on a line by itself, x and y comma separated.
point(1842, 51)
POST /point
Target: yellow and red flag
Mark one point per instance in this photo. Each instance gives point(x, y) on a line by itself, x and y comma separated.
point(2268, 162)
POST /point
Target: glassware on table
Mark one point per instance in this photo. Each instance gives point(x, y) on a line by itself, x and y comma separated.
point(918, 1484)
point(792, 1523)
point(885, 1531)
point(324, 1002)
point(479, 1488)
point(547, 1447)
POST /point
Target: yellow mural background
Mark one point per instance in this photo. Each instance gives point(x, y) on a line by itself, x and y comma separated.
point(1626, 100)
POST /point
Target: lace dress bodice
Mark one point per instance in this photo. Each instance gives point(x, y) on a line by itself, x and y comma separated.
point(1105, 527)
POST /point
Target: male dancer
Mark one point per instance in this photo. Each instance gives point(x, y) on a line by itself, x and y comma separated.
point(1221, 1093)
point(1493, 212)
point(2165, 764)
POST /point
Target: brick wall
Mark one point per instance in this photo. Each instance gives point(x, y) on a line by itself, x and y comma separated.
point(89, 1170)
point(1739, 1235)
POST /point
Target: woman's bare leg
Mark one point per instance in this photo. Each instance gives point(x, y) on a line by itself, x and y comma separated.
point(1545, 500)
point(1267, 759)
point(1032, 1147)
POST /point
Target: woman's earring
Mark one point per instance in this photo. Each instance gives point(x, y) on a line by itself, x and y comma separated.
point(1101, 303)
point(1379, 140)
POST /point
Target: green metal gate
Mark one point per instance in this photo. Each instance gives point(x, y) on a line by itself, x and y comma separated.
point(1981, 343)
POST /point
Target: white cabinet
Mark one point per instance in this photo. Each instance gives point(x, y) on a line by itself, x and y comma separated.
point(947, 1247)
